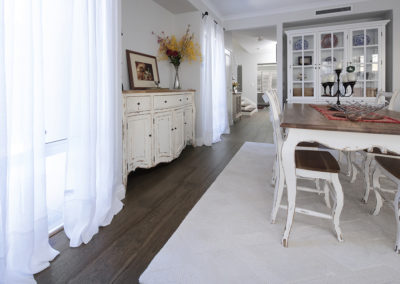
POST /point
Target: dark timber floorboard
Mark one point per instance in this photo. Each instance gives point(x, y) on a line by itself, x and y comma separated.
point(157, 200)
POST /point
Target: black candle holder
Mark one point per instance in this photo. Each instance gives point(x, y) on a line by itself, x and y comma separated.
point(324, 85)
point(338, 93)
point(352, 86)
point(330, 85)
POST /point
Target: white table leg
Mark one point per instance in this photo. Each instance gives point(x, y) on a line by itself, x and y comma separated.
point(289, 167)
point(339, 206)
point(367, 164)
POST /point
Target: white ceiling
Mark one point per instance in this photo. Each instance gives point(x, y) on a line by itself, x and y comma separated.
point(255, 40)
point(176, 6)
point(231, 9)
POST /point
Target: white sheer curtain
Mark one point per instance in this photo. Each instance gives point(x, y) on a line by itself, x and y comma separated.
point(24, 246)
point(94, 155)
point(212, 113)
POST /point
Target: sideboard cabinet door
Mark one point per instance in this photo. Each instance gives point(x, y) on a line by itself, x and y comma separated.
point(163, 133)
point(179, 131)
point(139, 140)
point(188, 125)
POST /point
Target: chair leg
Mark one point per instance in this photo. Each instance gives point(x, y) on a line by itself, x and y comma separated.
point(397, 214)
point(338, 207)
point(279, 185)
point(367, 164)
point(273, 179)
point(354, 170)
point(376, 185)
point(348, 159)
point(326, 192)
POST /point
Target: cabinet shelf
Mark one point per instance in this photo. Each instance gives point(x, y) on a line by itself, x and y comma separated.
point(305, 66)
point(305, 50)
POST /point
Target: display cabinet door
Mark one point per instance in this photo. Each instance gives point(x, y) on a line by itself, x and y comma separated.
point(302, 66)
point(139, 141)
point(366, 56)
point(163, 134)
point(332, 49)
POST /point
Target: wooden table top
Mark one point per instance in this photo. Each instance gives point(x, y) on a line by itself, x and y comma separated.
point(305, 117)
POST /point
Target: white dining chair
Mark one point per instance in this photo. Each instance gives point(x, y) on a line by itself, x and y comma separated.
point(388, 167)
point(310, 164)
point(368, 155)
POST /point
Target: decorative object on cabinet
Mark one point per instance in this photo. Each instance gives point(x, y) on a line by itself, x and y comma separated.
point(157, 125)
point(326, 59)
point(326, 41)
point(298, 44)
point(329, 59)
point(307, 60)
point(358, 39)
point(178, 51)
point(234, 86)
point(142, 69)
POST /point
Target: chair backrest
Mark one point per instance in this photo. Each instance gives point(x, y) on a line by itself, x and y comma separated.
point(380, 98)
point(394, 103)
point(275, 111)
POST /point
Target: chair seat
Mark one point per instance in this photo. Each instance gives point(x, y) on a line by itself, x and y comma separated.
point(320, 161)
point(390, 164)
point(378, 151)
point(308, 144)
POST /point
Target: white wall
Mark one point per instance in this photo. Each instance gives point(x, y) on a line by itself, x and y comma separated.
point(139, 19)
point(358, 8)
point(249, 68)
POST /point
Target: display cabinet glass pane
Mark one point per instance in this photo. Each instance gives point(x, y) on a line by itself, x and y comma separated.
point(308, 74)
point(308, 43)
point(326, 40)
point(371, 89)
point(359, 89)
point(372, 73)
point(297, 75)
point(358, 55)
point(372, 37)
point(297, 90)
point(372, 54)
point(297, 43)
point(358, 38)
point(308, 89)
point(338, 40)
point(338, 57)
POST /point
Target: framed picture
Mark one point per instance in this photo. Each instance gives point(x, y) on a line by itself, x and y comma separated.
point(307, 60)
point(142, 69)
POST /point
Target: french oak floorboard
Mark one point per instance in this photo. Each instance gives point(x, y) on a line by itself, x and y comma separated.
point(157, 200)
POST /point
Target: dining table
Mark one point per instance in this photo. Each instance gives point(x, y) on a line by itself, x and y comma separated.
point(304, 123)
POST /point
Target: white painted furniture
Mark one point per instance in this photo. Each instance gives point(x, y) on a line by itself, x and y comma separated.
point(322, 48)
point(303, 123)
point(310, 164)
point(157, 125)
point(236, 106)
point(388, 167)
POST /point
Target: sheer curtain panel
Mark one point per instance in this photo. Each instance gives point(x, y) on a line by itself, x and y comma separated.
point(94, 155)
point(212, 112)
point(24, 244)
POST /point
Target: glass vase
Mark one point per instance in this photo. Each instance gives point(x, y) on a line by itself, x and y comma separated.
point(177, 82)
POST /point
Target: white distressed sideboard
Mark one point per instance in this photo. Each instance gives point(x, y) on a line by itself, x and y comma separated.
point(157, 126)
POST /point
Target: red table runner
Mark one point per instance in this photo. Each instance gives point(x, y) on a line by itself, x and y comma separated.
point(331, 115)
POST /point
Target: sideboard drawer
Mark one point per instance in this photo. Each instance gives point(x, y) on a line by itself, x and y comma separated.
point(161, 102)
point(188, 99)
point(136, 104)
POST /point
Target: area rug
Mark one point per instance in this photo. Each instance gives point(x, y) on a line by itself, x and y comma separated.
point(228, 237)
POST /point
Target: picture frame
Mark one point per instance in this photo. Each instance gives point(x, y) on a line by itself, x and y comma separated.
point(307, 60)
point(142, 70)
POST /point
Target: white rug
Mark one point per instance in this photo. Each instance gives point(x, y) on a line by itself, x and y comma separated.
point(228, 238)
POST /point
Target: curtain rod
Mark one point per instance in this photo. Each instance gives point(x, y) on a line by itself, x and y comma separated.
point(206, 14)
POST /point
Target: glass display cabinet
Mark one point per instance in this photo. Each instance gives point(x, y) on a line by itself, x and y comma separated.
point(314, 54)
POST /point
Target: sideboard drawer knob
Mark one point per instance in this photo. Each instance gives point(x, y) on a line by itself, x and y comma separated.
point(138, 103)
point(165, 102)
